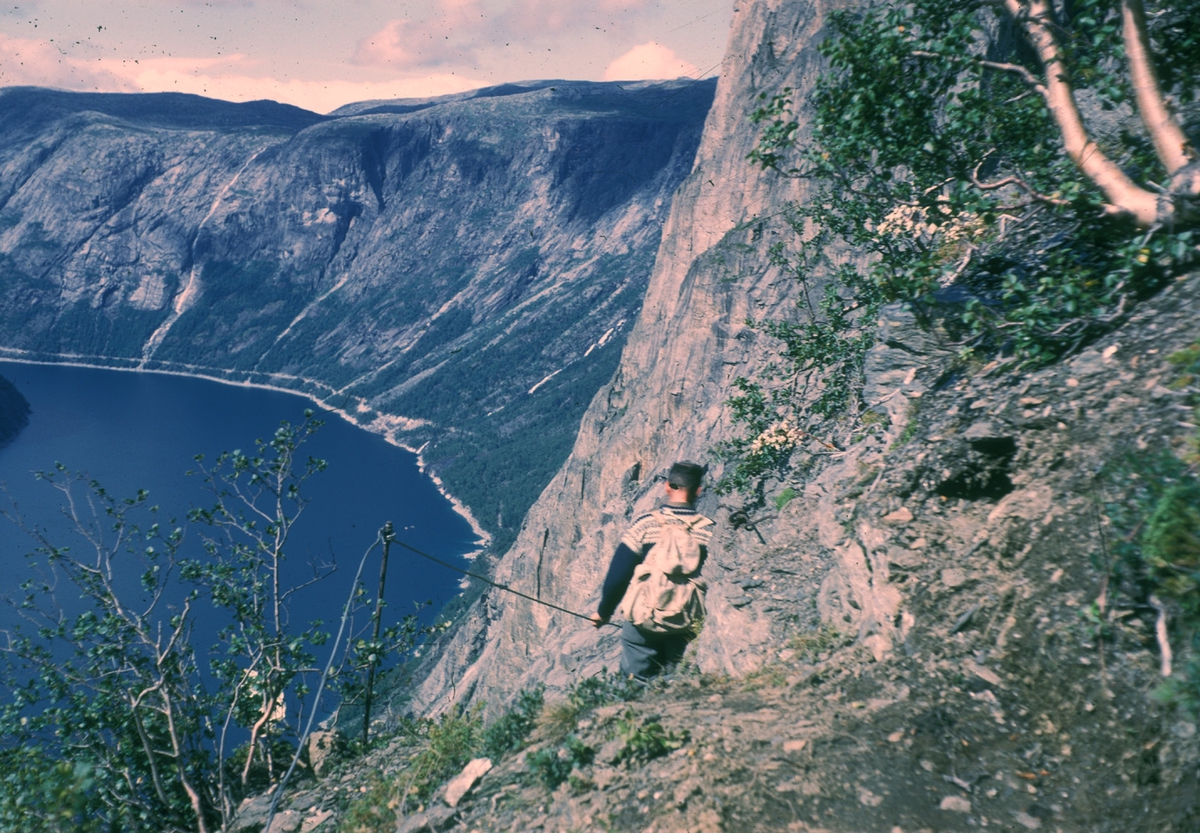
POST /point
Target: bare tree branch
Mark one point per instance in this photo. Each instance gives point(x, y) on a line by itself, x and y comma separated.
point(1015, 181)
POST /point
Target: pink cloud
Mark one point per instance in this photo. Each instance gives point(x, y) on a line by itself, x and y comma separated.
point(648, 61)
point(448, 35)
point(41, 63)
point(455, 31)
point(408, 43)
point(230, 79)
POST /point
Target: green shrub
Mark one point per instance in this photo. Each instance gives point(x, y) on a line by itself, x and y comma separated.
point(646, 739)
point(602, 689)
point(509, 732)
point(1154, 510)
point(449, 744)
point(554, 764)
point(373, 809)
point(938, 179)
point(39, 794)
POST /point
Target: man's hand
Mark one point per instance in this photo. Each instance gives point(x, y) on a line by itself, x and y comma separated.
point(598, 621)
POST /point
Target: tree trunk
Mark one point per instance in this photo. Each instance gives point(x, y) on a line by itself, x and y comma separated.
point(1126, 196)
point(1172, 146)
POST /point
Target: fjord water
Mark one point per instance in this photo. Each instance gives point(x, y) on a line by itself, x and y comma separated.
point(133, 431)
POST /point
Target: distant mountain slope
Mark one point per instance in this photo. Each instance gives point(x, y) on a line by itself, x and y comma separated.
point(14, 411)
point(458, 272)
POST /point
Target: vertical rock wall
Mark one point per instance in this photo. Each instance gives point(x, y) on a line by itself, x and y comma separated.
point(666, 401)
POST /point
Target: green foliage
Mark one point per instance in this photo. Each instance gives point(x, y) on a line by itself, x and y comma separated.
point(1171, 545)
point(1154, 510)
point(784, 498)
point(147, 729)
point(554, 764)
point(916, 121)
point(39, 794)
point(443, 747)
point(109, 686)
point(449, 744)
point(561, 717)
point(934, 162)
point(510, 731)
point(646, 739)
point(374, 809)
point(912, 426)
point(602, 689)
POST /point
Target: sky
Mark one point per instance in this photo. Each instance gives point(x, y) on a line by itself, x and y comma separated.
point(321, 54)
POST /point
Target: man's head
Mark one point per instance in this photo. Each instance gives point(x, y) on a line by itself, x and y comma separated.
point(683, 481)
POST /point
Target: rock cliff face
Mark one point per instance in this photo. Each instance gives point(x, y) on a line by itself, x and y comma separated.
point(458, 271)
point(666, 401)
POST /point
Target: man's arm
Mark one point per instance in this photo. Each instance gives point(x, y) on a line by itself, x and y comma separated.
point(620, 571)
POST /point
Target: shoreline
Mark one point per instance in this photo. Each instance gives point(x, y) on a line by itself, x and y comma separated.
point(384, 425)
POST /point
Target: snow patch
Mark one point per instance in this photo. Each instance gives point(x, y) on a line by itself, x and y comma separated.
point(606, 338)
point(544, 381)
point(324, 215)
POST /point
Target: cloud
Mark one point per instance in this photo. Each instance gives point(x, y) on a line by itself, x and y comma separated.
point(229, 77)
point(448, 35)
point(41, 63)
point(456, 32)
point(410, 44)
point(648, 61)
point(221, 78)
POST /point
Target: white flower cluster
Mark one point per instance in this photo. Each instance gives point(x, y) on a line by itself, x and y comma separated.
point(965, 225)
point(779, 437)
point(913, 221)
point(906, 221)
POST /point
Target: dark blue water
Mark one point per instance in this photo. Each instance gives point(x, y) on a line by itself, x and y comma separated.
point(133, 431)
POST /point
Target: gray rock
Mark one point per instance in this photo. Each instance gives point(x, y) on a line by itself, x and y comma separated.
point(435, 818)
point(462, 783)
point(286, 821)
point(323, 750)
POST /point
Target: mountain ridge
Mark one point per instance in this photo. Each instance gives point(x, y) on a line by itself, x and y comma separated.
point(425, 273)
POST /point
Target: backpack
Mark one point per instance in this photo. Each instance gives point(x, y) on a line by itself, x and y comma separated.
point(666, 595)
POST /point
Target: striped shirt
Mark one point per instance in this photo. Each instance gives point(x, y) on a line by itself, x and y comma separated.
point(643, 533)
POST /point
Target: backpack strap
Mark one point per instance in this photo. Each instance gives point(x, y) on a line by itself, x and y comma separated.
point(696, 521)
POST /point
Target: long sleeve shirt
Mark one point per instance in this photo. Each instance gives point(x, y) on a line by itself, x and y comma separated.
point(635, 544)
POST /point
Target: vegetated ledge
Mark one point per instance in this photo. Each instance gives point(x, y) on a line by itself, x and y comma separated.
point(1024, 682)
point(14, 412)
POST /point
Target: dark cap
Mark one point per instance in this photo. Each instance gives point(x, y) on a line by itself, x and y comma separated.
point(685, 474)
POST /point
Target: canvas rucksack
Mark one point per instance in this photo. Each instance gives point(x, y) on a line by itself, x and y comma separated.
point(666, 595)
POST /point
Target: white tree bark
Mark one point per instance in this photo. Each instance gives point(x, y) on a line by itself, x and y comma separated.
point(1172, 146)
point(1126, 196)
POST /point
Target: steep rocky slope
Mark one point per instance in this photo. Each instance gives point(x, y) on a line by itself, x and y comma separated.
point(1016, 688)
point(953, 645)
point(14, 411)
point(460, 272)
point(922, 631)
point(665, 402)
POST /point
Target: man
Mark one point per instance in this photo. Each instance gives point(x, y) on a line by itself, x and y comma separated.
point(647, 651)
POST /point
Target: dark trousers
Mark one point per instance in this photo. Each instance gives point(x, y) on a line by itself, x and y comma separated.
point(645, 654)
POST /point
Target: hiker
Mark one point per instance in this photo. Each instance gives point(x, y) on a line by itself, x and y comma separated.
point(661, 554)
